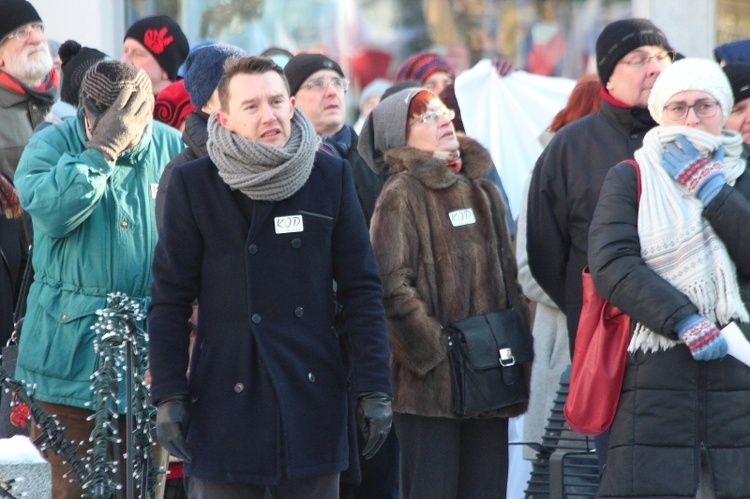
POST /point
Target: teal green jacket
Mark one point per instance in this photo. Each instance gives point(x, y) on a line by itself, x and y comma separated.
point(94, 234)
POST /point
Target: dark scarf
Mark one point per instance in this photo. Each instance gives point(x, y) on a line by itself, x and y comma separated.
point(339, 144)
point(45, 93)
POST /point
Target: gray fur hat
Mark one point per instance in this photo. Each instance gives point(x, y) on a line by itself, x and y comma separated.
point(385, 128)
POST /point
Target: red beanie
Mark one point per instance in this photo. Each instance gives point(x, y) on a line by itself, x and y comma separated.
point(172, 105)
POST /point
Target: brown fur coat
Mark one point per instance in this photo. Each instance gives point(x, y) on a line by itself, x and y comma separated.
point(434, 273)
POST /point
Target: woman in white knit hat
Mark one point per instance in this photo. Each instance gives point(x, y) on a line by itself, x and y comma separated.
point(669, 248)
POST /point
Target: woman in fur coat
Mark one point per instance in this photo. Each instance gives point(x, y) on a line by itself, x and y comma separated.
point(675, 259)
point(443, 248)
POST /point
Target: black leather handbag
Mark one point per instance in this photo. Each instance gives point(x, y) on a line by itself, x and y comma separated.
point(486, 354)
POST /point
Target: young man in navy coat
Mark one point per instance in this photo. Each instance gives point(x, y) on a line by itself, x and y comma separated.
point(257, 232)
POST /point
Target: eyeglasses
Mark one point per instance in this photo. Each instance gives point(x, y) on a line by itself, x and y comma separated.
point(434, 116)
point(640, 60)
point(703, 109)
point(24, 33)
point(320, 84)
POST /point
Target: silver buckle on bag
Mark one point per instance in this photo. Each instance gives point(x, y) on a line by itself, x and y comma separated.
point(506, 357)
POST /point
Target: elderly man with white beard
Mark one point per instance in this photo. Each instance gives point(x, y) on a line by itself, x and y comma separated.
point(28, 86)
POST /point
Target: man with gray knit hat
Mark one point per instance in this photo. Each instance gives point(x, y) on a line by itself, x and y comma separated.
point(568, 175)
point(318, 85)
point(257, 232)
point(88, 184)
point(203, 69)
point(158, 46)
point(28, 84)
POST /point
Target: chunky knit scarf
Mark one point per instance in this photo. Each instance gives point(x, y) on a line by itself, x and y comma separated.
point(677, 242)
point(261, 171)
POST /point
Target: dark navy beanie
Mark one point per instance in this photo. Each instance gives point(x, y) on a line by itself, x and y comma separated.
point(164, 39)
point(301, 66)
point(738, 74)
point(621, 37)
point(204, 68)
point(15, 14)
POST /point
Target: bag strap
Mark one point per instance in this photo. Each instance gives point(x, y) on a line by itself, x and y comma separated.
point(637, 176)
point(20, 309)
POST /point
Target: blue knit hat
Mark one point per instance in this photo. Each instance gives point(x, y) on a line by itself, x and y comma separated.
point(203, 70)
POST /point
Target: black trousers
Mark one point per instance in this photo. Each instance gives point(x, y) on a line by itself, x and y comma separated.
point(445, 458)
point(322, 487)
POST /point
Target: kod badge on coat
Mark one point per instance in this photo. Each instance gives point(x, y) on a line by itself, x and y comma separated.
point(462, 217)
point(285, 225)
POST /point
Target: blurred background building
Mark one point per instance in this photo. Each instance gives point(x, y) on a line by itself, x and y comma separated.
point(371, 37)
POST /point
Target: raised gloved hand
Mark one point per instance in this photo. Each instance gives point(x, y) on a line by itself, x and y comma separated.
point(702, 177)
point(702, 337)
point(119, 126)
point(172, 422)
point(374, 416)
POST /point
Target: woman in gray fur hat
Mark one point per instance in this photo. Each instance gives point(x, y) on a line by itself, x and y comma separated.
point(436, 270)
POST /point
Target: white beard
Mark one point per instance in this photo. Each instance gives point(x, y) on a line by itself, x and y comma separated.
point(31, 65)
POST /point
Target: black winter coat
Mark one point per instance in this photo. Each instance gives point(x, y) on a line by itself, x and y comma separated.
point(562, 196)
point(267, 382)
point(672, 407)
point(368, 183)
point(195, 136)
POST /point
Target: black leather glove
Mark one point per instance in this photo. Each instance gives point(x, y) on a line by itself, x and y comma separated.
point(119, 126)
point(172, 423)
point(374, 416)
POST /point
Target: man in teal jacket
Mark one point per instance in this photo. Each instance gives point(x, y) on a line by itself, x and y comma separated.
point(89, 185)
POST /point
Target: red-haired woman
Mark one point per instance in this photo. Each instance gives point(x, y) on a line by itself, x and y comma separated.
point(435, 272)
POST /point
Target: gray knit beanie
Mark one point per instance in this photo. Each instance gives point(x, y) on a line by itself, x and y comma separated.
point(104, 81)
point(385, 128)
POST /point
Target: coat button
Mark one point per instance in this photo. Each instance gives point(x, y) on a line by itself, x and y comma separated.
point(124, 224)
point(100, 169)
point(255, 318)
point(64, 317)
point(299, 311)
point(311, 377)
point(239, 387)
point(253, 249)
point(296, 242)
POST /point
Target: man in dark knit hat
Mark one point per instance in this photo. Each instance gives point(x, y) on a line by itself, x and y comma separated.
point(28, 84)
point(738, 74)
point(158, 46)
point(318, 85)
point(568, 175)
point(88, 184)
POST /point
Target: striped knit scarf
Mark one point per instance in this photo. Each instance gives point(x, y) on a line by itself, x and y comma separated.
point(45, 93)
point(677, 242)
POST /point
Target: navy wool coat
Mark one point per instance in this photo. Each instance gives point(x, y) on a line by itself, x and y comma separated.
point(267, 383)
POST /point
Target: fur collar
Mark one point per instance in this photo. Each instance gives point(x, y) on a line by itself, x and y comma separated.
point(433, 172)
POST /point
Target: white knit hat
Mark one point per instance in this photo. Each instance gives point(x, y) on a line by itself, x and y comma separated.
point(691, 74)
